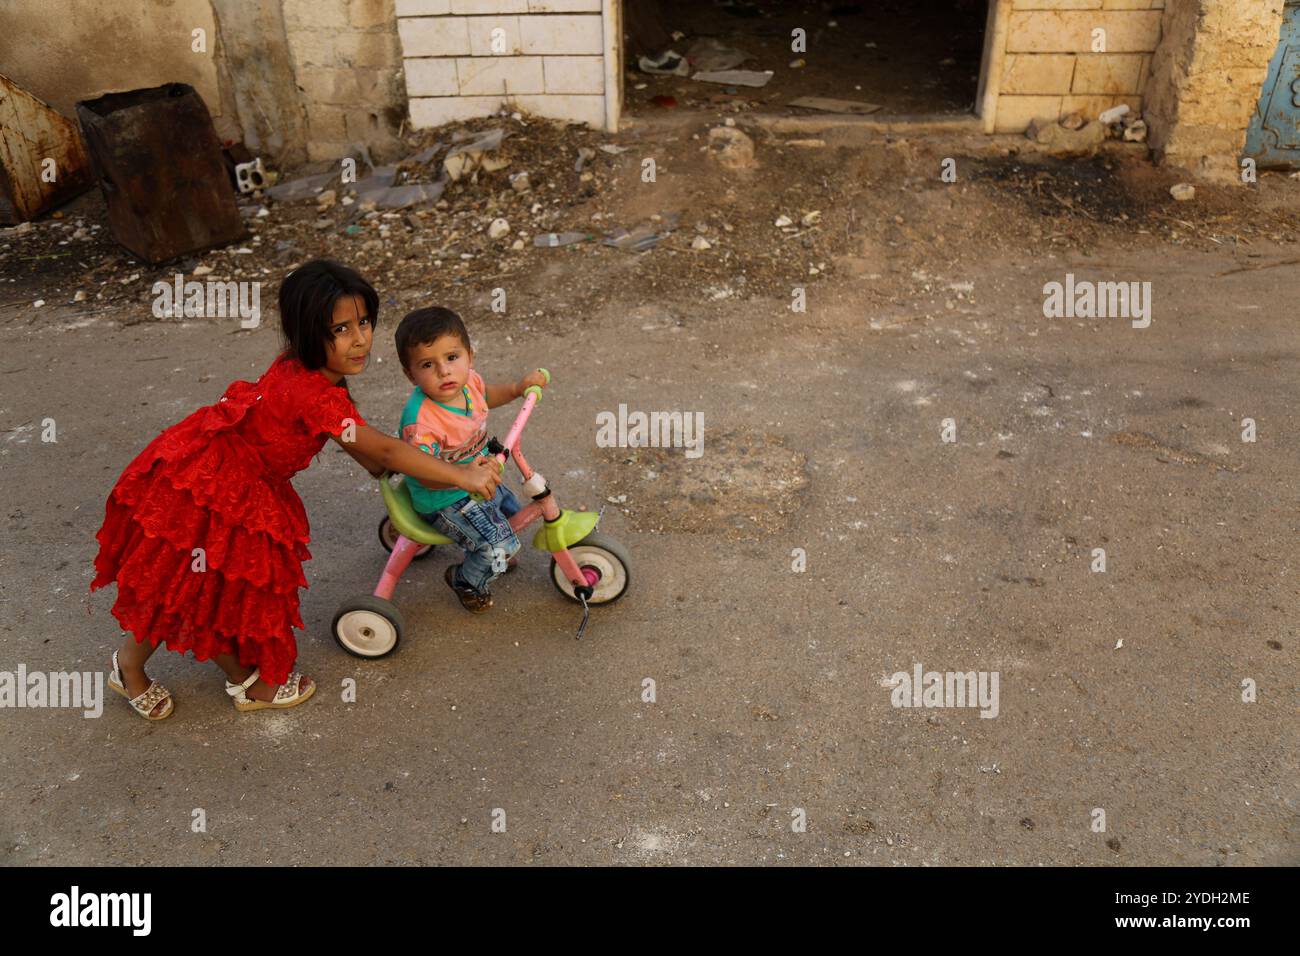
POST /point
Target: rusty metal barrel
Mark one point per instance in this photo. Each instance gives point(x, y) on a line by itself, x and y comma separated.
point(159, 164)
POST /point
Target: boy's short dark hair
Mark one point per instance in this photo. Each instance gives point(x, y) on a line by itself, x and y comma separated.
point(424, 326)
point(307, 299)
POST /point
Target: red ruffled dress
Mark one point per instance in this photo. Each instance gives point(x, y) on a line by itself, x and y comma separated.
point(219, 480)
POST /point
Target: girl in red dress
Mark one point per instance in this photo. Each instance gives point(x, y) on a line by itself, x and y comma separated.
point(204, 533)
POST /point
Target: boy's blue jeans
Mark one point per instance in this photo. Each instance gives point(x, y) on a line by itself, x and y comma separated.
point(482, 529)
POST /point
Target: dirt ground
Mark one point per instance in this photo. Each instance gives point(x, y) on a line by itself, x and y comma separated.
point(1120, 691)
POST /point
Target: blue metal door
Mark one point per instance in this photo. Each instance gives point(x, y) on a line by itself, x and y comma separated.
point(1273, 137)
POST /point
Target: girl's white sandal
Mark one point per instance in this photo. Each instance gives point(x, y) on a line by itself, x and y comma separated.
point(288, 694)
point(146, 702)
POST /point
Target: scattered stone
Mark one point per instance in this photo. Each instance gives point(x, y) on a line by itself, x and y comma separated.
point(499, 228)
point(326, 199)
point(700, 244)
point(202, 270)
point(517, 245)
point(324, 223)
point(468, 157)
point(1136, 132)
point(783, 221)
point(79, 297)
point(812, 218)
point(731, 148)
point(1183, 192)
point(1060, 141)
point(38, 303)
point(519, 182)
point(1073, 121)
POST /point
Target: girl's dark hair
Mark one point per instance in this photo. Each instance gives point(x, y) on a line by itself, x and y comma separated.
point(424, 326)
point(307, 299)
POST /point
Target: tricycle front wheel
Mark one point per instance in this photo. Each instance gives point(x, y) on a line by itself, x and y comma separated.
point(605, 563)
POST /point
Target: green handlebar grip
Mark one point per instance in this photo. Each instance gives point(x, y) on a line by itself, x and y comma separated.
point(546, 374)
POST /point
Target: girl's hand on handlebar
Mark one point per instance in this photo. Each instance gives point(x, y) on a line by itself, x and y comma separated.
point(480, 477)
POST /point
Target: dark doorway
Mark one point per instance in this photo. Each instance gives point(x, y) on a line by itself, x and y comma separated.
point(905, 56)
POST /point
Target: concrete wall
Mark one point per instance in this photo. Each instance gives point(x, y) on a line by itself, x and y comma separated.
point(1206, 80)
point(1049, 68)
point(547, 58)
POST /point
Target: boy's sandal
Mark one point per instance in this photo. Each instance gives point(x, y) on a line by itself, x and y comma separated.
point(288, 694)
point(470, 599)
point(144, 704)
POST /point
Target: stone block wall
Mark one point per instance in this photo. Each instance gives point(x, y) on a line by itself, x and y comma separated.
point(466, 58)
point(1050, 68)
point(1206, 80)
point(347, 63)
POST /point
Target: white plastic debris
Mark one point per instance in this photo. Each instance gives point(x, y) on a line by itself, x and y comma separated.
point(1114, 114)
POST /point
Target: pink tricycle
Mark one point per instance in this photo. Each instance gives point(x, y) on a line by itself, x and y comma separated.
point(586, 566)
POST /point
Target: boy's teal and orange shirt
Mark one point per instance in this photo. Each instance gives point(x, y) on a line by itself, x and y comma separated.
point(454, 433)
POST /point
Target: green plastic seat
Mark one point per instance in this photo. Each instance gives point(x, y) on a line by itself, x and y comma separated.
point(397, 498)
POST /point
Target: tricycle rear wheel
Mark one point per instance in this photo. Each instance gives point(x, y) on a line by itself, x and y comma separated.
point(388, 536)
point(368, 627)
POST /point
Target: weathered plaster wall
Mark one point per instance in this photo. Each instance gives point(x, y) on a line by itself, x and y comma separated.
point(347, 61)
point(293, 79)
point(1206, 79)
point(256, 78)
point(66, 50)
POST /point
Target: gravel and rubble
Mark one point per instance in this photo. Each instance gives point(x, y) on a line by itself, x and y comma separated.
point(762, 216)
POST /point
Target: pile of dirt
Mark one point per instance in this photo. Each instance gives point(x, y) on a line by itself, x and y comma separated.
point(696, 231)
